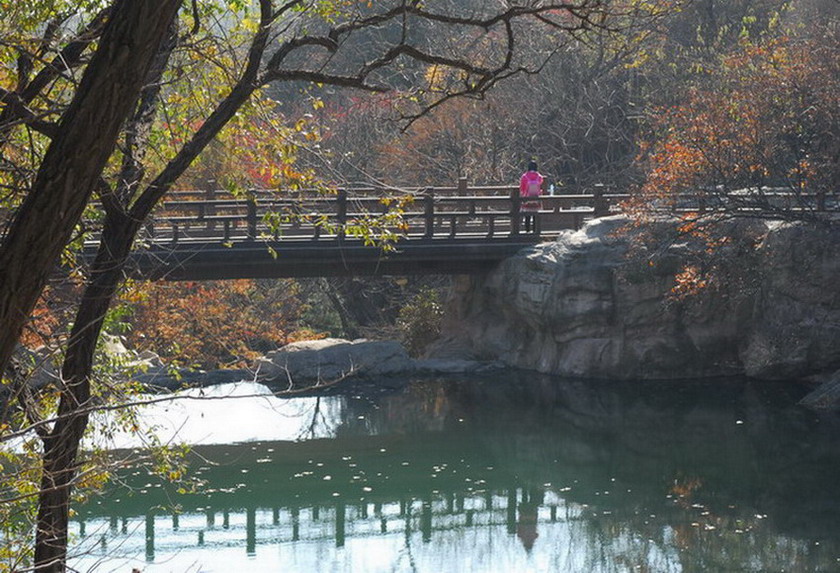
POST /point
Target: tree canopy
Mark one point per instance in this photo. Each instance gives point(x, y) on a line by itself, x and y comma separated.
point(117, 100)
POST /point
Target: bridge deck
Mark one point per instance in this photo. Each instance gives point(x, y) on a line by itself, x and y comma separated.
point(431, 231)
point(196, 260)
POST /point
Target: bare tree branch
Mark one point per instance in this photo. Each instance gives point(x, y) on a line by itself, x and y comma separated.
point(68, 58)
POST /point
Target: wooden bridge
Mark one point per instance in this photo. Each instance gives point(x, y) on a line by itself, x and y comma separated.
point(356, 231)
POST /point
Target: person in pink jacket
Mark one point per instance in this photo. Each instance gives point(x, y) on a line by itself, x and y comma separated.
point(530, 187)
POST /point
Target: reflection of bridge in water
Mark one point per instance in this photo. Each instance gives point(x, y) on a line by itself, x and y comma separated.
point(518, 510)
point(444, 469)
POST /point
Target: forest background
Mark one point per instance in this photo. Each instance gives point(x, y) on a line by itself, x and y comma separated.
point(703, 93)
point(662, 99)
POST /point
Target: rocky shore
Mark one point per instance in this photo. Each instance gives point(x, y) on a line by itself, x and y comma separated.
point(579, 307)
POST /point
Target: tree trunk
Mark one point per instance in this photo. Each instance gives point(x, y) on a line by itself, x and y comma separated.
point(75, 158)
point(61, 447)
point(54, 499)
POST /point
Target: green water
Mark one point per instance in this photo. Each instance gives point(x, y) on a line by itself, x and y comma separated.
point(509, 473)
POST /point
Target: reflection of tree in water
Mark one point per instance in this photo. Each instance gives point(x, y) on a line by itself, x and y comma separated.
point(310, 430)
point(701, 466)
point(420, 407)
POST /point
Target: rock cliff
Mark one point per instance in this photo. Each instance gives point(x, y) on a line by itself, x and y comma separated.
point(580, 306)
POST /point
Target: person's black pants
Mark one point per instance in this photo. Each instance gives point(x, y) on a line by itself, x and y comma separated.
point(529, 221)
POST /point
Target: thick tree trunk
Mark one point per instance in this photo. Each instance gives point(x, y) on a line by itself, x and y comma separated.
point(58, 471)
point(61, 447)
point(75, 159)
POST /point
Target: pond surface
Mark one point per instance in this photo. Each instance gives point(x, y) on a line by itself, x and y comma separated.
point(513, 472)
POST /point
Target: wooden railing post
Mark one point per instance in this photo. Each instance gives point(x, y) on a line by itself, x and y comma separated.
point(252, 219)
point(429, 212)
point(210, 211)
point(462, 186)
point(515, 212)
point(601, 206)
point(341, 213)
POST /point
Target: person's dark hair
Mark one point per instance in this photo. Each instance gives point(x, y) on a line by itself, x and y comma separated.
point(532, 165)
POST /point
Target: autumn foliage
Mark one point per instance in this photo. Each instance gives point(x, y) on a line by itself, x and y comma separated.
point(751, 135)
point(211, 324)
point(766, 117)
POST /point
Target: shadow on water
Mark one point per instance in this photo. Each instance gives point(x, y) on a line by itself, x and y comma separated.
point(583, 475)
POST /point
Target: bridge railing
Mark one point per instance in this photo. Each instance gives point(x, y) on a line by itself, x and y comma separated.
point(490, 212)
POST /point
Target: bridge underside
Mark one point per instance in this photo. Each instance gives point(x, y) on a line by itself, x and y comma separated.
point(289, 259)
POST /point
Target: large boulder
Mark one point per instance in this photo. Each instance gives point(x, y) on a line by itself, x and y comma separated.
point(580, 306)
point(315, 362)
point(329, 359)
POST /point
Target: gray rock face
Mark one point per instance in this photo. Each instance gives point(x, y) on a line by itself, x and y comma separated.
point(576, 307)
point(795, 329)
point(316, 361)
point(330, 359)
